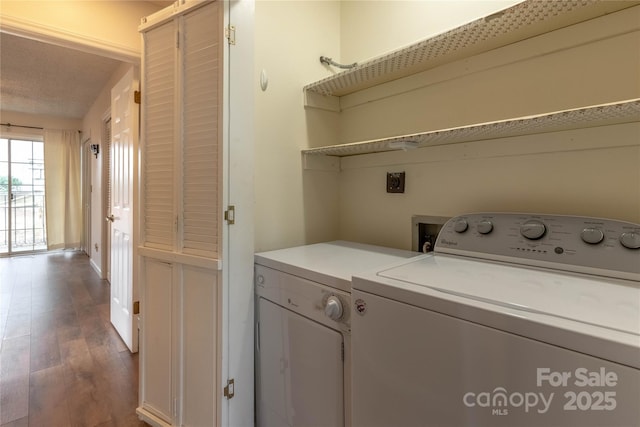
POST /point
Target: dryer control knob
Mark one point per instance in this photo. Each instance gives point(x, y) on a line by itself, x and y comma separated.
point(630, 240)
point(460, 226)
point(484, 227)
point(533, 229)
point(592, 235)
point(333, 308)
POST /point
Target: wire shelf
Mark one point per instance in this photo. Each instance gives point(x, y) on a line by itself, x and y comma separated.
point(519, 22)
point(597, 115)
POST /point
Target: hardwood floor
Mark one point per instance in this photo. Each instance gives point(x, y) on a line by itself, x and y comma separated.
point(61, 361)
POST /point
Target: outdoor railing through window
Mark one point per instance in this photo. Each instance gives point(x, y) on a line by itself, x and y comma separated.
point(27, 218)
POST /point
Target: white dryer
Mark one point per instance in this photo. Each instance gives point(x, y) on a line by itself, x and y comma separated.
point(515, 320)
point(303, 330)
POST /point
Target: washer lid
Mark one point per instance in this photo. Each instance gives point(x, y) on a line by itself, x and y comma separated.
point(609, 303)
point(332, 263)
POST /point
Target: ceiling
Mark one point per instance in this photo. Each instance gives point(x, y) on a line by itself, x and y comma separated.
point(41, 78)
point(45, 79)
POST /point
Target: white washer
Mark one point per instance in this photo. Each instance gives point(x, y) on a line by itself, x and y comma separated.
point(303, 330)
point(515, 320)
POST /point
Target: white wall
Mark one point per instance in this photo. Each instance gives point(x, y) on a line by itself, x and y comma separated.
point(92, 129)
point(35, 120)
point(292, 209)
point(593, 172)
point(372, 28)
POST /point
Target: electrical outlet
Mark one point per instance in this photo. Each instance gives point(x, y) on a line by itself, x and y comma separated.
point(395, 182)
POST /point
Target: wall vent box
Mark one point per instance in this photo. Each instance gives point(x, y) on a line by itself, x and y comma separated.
point(395, 182)
point(424, 231)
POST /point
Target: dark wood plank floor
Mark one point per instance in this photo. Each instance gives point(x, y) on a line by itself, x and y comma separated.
point(61, 361)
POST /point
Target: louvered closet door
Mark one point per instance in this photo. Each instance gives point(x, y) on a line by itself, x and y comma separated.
point(181, 196)
point(201, 76)
point(159, 92)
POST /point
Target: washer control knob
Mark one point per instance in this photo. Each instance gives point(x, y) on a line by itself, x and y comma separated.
point(484, 227)
point(591, 235)
point(460, 226)
point(630, 240)
point(533, 229)
point(333, 308)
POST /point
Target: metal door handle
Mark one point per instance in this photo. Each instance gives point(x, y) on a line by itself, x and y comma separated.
point(110, 218)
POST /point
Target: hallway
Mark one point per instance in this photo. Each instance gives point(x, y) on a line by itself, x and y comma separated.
point(61, 362)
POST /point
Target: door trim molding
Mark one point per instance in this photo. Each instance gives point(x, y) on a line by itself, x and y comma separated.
point(60, 37)
point(87, 169)
point(104, 180)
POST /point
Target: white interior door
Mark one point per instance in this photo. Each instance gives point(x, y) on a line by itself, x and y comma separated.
point(124, 135)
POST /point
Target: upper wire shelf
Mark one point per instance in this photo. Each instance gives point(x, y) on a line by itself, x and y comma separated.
point(524, 20)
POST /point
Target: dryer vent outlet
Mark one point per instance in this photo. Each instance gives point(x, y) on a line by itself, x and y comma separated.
point(395, 182)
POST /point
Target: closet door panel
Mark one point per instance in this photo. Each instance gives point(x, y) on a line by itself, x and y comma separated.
point(202, 75)
point(159, 136)
point(156, 363)
point(199, 294)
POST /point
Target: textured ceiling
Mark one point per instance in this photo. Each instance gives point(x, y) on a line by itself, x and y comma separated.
point(40, 78)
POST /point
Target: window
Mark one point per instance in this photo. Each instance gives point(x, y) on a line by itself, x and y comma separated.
point(22, 195)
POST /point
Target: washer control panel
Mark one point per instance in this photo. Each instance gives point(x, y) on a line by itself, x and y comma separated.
point(589, 245)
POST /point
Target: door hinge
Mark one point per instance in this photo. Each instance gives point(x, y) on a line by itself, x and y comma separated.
point(136, 307)
point(137, 97)
point(177, 39)
point(229, 391)
point(230, 215)
point(230, 34)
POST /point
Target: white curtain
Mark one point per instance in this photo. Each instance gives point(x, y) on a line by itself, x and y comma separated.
point(62, 188)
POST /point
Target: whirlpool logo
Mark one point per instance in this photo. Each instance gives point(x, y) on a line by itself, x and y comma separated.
point(448, 242)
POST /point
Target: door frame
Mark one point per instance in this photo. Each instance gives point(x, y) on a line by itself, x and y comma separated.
point(106, 203)
point(237, 325)
point(87, 189)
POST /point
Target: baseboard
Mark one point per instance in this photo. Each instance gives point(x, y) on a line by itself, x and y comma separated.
point(150, 418)
point(96, 268)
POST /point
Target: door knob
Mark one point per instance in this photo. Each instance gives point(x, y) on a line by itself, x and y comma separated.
point(110, 218)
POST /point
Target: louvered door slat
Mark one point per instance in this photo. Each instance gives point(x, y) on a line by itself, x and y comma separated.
point(159, 137)
point(200, 164)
